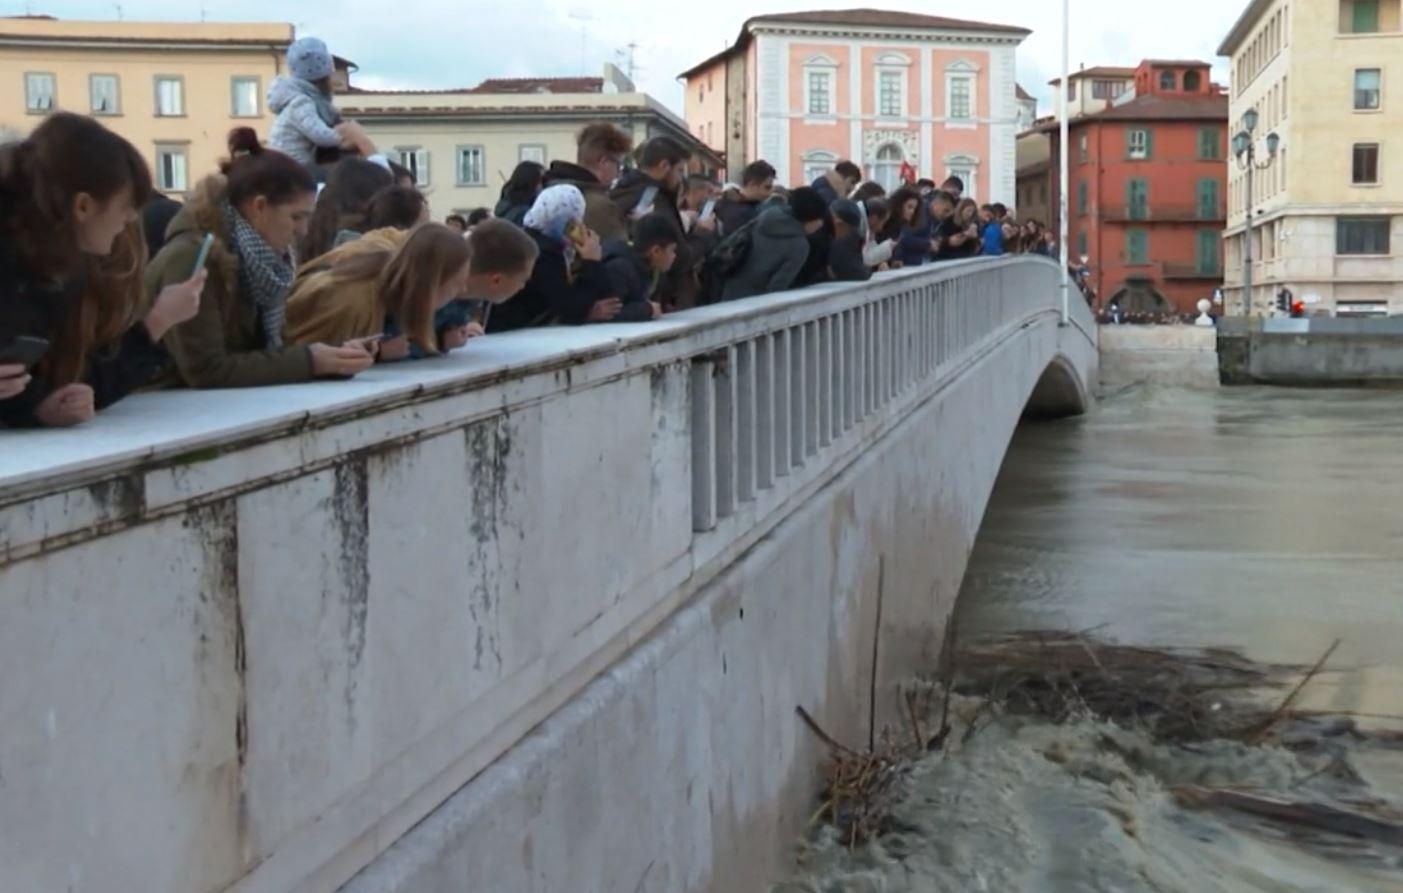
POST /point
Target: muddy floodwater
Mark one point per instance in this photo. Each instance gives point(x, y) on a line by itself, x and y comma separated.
point(1263, 520)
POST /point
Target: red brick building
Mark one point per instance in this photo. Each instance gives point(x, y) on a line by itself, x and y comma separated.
point(1148, 189)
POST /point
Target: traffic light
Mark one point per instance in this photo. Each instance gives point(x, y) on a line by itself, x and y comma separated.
point(1283, 300)
point(1298, 309)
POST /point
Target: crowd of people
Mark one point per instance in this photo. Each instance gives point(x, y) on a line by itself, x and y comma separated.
point(313, 256)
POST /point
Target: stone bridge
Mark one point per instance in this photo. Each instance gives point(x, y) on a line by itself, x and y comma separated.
point(534, 617)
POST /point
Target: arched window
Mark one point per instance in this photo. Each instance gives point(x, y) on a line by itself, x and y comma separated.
point(1167, 80)
point(887, 167)
point(1192, 81)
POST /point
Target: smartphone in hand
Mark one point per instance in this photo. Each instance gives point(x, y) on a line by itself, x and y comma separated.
point(23, 350)
point(205, 245)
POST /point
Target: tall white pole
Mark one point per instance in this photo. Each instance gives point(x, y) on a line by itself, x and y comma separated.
point(1064, 154)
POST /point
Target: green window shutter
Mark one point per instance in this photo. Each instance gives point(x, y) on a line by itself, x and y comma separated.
point(1082, 198)
point(1137, 198)
point(1208, 144)
point(1366, 16)
point(1149, 143)
point(1208, 199)
point(1081, 243)
point(1208, 251)
point(1136, 246)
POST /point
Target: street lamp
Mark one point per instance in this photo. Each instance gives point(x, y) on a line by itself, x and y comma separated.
point(1244, 146)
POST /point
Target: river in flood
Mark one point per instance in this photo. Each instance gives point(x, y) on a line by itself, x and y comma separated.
point(1265, 520)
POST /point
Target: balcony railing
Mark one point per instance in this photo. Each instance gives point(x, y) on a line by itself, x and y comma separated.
point(1163, 212)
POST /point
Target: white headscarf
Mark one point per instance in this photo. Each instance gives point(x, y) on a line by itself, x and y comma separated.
point(554, 209)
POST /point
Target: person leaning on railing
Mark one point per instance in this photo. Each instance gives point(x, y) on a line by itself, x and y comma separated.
point(71, 256)
point(387, 283)
point(256, 209)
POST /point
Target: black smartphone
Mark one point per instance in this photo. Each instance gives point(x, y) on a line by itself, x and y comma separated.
point(23, 350)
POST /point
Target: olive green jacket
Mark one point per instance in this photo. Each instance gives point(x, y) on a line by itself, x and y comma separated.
point(222, 347)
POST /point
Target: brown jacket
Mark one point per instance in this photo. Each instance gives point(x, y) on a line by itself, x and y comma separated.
point(222, 347)
point(329, 307)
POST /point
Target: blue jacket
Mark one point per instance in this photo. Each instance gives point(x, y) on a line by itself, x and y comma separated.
point(913, 245)
point(993, 239)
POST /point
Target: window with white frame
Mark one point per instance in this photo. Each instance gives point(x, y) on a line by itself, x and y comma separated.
point(966, 167)
point(820, 74)
point(417, 161)
point(891, 85)
point(1368, 87)
point(40, 92)
point(818, 163)
point(104, 94)
point(1137, 143)
point(170, 96)
point(533, 152)
point(172, 168)
point(472, 167)
point(820, 91)
point(244, 97)
point(960, 100)
point(889, 94)
point(886, 167)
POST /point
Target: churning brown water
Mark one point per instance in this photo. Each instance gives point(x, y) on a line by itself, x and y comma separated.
point(1269, 521)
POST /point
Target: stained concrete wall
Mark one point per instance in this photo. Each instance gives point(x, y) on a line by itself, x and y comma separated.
point(1171, 356)
point(1326, 352)
point(286, 627)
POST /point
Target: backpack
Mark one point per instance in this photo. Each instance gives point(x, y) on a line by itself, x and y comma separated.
point(725, 261)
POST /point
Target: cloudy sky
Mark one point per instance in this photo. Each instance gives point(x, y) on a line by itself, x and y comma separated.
point(457, 43)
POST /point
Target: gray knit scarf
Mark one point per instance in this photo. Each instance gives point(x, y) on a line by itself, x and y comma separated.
point(264, 276)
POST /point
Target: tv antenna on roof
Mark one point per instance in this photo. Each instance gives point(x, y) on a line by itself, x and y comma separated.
point(625, 57)
point(584, 17)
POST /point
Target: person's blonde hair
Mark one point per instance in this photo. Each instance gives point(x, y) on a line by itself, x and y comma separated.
point(409, 283)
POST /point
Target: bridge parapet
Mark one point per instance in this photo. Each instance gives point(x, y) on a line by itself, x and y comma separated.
point(283, 625)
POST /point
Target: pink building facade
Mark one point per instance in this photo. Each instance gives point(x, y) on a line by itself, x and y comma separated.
point(805, 90)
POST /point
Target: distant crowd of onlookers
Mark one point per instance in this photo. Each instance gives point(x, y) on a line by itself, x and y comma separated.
point(314, 257)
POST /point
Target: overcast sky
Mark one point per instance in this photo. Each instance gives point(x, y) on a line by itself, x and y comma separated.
point(457, 43)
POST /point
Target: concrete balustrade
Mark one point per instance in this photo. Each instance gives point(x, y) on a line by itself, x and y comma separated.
point(531, 617)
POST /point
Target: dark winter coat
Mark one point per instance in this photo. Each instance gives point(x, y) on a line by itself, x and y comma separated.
point(513, 212)
point(948, 229)
point(37, 309)
point(678, 287)
point(550, 296)
point(913, 245)
point(778, 250)
point(630, 280)
point(845, 259)
point(732, 215)
point(825, 189)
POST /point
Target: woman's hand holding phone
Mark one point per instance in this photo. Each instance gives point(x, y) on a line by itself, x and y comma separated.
point(13, 380)
point(176, 304)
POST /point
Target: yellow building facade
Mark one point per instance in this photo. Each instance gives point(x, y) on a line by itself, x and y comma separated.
point(175, 90)
point(463, 145)
point(1326, 76)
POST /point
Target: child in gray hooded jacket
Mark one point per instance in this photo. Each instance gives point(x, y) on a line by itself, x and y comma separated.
point(306, 118)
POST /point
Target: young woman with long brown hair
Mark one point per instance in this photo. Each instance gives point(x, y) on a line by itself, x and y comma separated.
point(257, 209)
point(386, 283)
point(71, 253)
